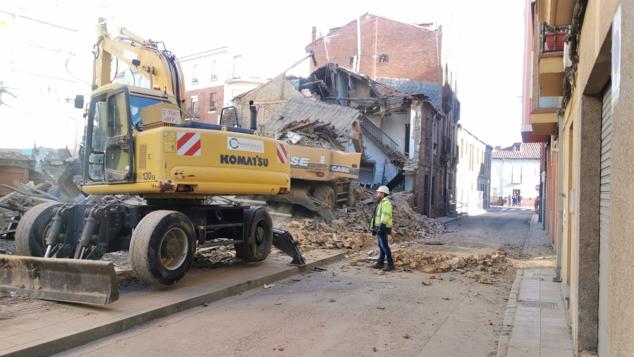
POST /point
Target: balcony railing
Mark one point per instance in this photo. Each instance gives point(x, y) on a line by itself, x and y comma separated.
point(553, 38)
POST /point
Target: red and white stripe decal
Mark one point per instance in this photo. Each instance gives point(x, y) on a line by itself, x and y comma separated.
point(282, 153)
point(188, 143)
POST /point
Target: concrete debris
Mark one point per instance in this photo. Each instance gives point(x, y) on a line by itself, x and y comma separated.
point(349, 229)
point(314, 134)
point(433, 263)
point(14, 204)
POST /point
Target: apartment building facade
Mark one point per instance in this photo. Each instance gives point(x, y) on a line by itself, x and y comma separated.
point(515, 171)
point(212, 79)
point(473, 173)
point(588, 174)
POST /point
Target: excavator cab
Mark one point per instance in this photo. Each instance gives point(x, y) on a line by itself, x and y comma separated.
point(109, 144)
point(114, 118)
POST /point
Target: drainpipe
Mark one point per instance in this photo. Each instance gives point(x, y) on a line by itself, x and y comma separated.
point(560, 199)
point(358, 62)
point(430, 184)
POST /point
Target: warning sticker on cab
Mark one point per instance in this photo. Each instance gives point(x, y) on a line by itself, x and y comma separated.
point(170, 116)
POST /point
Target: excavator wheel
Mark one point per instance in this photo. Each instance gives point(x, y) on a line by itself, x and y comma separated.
point(326, 194)
point(162, 247)
point(30, 236)
point(258, 236)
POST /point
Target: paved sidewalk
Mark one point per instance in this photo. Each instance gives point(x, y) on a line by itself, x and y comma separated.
point(535, 322)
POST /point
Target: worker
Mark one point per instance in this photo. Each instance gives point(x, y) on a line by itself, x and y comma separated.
point(381, 226)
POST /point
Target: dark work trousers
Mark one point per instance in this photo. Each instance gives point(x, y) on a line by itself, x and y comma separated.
point(384, 249)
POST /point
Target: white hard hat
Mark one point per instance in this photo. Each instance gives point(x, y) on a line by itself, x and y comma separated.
point(383, 189)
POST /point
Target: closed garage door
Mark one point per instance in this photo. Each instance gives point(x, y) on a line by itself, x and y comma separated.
point(604, 222)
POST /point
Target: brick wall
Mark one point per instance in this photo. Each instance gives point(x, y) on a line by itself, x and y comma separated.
point(411, 52)
point(202, 110)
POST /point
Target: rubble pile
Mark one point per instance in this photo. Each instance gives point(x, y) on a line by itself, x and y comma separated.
point(20, 200)
point(215, 257)
point(349, 229)
point(310, 133)
point(479, 267)
point(50, 175)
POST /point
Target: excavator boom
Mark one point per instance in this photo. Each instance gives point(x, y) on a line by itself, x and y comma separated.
point(160, 67)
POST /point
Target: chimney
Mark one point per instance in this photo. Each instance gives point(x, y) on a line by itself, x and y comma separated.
point(314, 33)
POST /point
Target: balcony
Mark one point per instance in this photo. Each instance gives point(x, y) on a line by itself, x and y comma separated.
point(556, 12)
point(551, 60)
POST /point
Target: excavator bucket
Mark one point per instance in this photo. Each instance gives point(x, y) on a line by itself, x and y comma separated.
point(70, 280)
point(284, 241)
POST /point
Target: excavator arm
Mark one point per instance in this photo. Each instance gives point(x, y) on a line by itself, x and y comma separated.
point(160, 67)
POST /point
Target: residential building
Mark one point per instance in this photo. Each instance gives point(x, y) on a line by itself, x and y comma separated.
point(515, 171)
point(406, 58)
point(39, 77)
point(382, 48)
point(541, 98)
point(473, 173)
point(212, 79)
point(590, 134)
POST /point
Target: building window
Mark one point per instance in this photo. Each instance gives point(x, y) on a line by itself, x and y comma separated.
point(407, 133)
point(383, 58)
point(213, 76)
point(195, 74)
point(237, 66)
point(193, 108)
point(351, 61)
point(212, 102)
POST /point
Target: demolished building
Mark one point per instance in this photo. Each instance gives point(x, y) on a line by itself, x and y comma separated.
point(406, 141)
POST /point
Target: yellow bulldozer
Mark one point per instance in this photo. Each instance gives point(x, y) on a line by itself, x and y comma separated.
point(141, 141)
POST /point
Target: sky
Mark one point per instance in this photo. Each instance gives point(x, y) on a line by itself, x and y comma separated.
point(48, 57)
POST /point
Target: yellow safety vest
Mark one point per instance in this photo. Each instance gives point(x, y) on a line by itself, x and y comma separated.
point(382, 215)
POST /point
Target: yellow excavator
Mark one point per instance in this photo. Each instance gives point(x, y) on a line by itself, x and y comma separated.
point(141, 141)
point(321, 179)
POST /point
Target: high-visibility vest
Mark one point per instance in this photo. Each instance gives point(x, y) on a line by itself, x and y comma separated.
point(382, 215)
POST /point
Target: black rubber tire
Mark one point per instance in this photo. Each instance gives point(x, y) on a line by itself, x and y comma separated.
point(326, 194)
point(146, 244)
point(29, 236)
point(258, 236)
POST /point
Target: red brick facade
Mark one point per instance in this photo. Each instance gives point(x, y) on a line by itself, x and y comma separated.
point(389, 49)
point(203, 108)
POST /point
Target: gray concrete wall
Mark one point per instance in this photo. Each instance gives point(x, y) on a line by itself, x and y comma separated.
point(585, 270)
point(621, 268)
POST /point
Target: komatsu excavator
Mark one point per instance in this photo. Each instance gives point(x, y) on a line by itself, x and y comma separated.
point(140, 141)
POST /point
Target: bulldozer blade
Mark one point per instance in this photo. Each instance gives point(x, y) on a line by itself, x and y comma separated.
point(70, 280)
point(284, 241)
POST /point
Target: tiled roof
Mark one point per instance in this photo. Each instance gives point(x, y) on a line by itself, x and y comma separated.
point(530, 151)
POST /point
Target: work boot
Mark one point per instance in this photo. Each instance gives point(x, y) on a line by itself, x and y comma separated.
point(378, 265)
point(389, 267)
